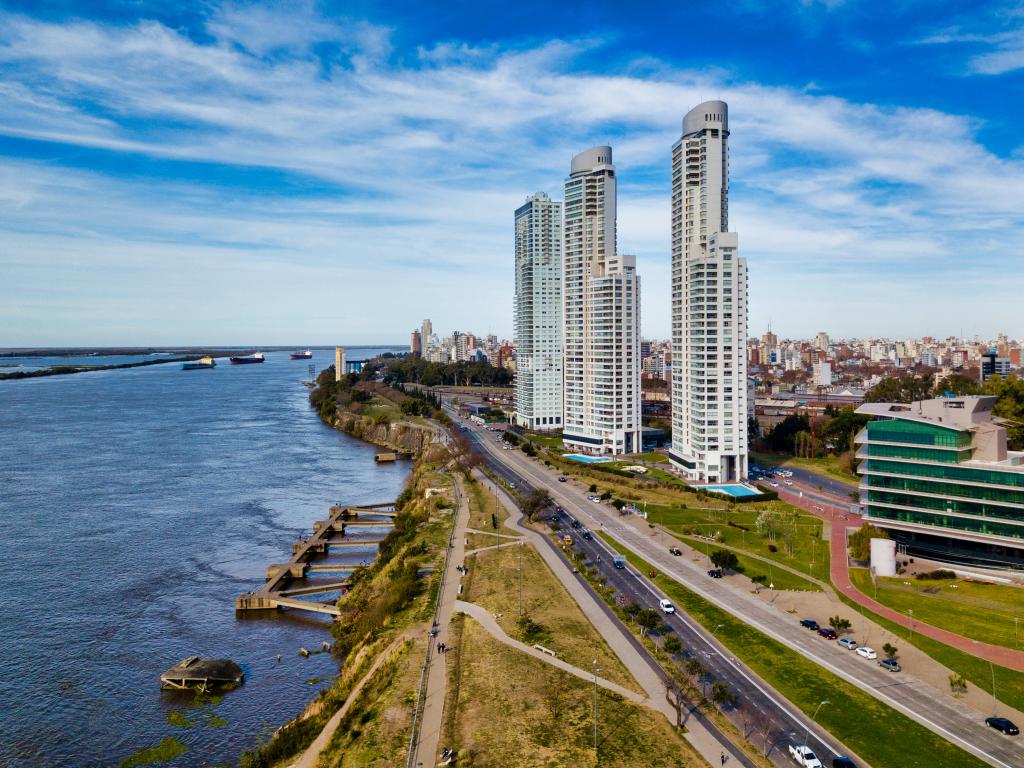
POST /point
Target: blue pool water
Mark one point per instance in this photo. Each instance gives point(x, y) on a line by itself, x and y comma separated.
point(587, 459)
point(733, 489)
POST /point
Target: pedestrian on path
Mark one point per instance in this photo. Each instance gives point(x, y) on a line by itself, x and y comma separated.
point(725, 759)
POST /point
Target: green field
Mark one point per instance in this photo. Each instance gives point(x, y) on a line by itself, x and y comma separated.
point(655, 456)
point(878, 733)
point(797, 538)
point(982, 612)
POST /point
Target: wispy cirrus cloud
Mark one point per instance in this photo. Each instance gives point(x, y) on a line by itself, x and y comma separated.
point(286, 144)
point(994, 38)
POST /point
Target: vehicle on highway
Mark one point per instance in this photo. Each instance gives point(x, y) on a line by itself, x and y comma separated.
point(867, 653)
point(774, 484)
point(843, 762)
point(512, 486)
point(715, 573)
point(596, 499)
point(562, 478)
point(675, 551)
point(619, 561)
point(586, 534)
point(1003, 725)
point(666, 606)
point(574, 522)
point(804, 756)
point(809, 623)
point(848, 643)
point(789, 482)
point(891, 664)
point(828, 633)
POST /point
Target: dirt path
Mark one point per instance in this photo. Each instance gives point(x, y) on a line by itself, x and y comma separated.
point(311, 756)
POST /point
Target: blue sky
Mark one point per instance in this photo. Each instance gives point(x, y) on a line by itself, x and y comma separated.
point(334, 172)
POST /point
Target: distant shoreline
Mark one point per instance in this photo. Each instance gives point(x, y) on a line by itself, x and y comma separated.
point(64, 370)
point(215, 351)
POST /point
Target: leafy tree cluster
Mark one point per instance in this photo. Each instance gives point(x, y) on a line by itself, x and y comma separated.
point(901, 389)
point(416, 370)
point(860, 541)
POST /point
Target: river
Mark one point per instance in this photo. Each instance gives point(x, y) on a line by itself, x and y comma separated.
point(136, 505)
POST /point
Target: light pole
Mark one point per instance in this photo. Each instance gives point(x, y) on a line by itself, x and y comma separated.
point(911, 623)
point(1016, 622)
point(807, 731)
point(596, 670)
point(993, 668)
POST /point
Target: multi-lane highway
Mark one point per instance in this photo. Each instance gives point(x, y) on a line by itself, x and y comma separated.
point(957, 723)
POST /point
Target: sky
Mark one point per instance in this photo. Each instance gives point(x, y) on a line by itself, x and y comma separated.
point(321, 173)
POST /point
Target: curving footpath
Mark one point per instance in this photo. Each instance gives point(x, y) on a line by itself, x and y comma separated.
point(841, 520)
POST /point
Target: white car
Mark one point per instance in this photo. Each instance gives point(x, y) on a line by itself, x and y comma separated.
point(804, 756)
point(666, 606)
point(774, 484)
point(867, 653)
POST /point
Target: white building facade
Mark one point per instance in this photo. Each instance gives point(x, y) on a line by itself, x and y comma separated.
point(538, 314)
point(709, 306)
point(601, 393)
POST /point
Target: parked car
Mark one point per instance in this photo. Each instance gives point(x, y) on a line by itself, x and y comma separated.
point(848, 643)
point(828, 633)
point(891, 664)
point(867, 653)
point(842, 762)
point(774, 484)
point(1003, 725)
point(809, 623)
point(562, 478)
point(804, 756)
point(715, 573)
point(675, 551)
point(666, 606)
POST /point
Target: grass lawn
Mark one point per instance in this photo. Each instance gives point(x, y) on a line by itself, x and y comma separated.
point(982, 612)
point(551, 442)
point(493, 582)
point(513, 710)
point(826, 465)
point(797, 540)
point(1009, 682)
point(484, 511)
point(655, 456)
point(878, 733)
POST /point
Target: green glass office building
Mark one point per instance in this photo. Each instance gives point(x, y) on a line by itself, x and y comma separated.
point(938, 477)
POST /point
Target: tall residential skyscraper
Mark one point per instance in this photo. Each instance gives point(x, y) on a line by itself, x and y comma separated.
point(538, 313)
point(709, 306)
point(602, 316)
point(426, 331)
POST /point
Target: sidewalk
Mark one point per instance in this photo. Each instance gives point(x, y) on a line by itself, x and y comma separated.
point(437, 670)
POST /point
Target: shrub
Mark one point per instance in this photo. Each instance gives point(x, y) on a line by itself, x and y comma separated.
point(941, 573)
point(724, 559)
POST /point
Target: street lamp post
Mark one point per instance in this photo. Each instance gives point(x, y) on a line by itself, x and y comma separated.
point(911, 623)
point(807, 731)
point(993, 668)
point(596, 670)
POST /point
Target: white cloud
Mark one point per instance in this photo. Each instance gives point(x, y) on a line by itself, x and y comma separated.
point(423, 165)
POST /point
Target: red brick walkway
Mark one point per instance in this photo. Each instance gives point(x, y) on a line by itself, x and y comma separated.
point(836, 512)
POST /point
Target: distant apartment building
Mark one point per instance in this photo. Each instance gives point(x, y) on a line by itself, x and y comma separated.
point(709, 306)
point(821, 340)
point(993, 365)
point(426, 334)
point(601, 393)
point(415, 345)
point(538, 313)
point(823, 374)
point(938, 477)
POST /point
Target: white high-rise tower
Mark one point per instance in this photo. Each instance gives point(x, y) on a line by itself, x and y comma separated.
point(538, 313)
point(602, 316)
point(709, 306)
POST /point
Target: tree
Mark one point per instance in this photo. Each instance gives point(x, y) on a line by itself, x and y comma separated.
point(900, 389)
point(631, 609)
point(724, 559)
point(957, 384)
point(860, 541)
point(721, 696)
point(537, 501)
point(695, 669)
point(957, 684)
point(648, 619)
point(677, 700)
point(890, 650)
point(673, 645)
point(1010, 405)
point(839, 624)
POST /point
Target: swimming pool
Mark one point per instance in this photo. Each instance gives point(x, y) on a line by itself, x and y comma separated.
point(587, 459)
point(733, 489)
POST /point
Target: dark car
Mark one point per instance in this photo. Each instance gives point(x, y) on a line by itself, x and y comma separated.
point(562, 478)
point(1002, 725)
point(809, 623)
point(828, 633)
point(575, 523)
point(675, 551)
point(715, 573)
point(891, 664)
point(587, 534)
point(842, 762)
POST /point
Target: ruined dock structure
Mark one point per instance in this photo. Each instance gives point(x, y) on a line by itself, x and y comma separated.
point(287, 585)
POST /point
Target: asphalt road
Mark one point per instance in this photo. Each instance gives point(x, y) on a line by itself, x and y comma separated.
point(779, 723)
point(957, 723)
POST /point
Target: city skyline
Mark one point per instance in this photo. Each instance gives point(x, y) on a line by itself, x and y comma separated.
point(250, 162)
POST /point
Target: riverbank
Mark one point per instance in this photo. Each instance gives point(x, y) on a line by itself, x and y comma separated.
point(64, 370)
point(384, 615)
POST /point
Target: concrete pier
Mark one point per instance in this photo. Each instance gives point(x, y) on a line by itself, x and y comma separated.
point(286, 582)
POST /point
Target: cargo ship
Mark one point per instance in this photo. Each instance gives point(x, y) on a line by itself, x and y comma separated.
point(257, 358)
point(307, 355)
point(200, 364)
